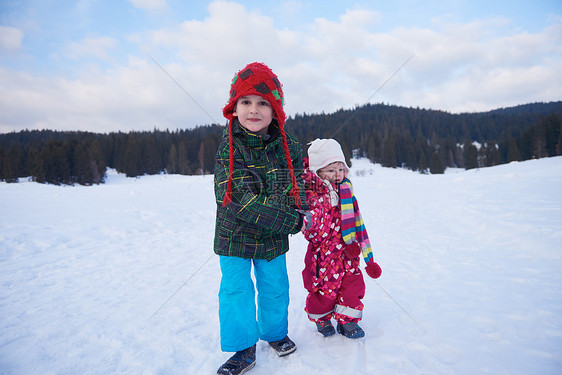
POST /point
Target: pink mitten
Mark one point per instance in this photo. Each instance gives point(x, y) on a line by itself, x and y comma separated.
point(373, 270)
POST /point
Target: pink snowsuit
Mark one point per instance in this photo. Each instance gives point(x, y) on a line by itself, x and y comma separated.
point(334, 281)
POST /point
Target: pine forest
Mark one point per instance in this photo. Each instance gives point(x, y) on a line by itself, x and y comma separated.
point(428, 141)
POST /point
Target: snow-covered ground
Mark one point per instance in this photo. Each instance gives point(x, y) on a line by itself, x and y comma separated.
point(471, 284)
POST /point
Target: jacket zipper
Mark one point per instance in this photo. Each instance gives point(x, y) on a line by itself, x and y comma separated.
point(318, 254)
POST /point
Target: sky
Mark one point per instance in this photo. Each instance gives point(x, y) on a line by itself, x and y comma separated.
point(107, 66)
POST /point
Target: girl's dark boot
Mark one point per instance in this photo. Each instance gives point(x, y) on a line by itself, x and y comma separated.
point(325, 327)
point(351, 330)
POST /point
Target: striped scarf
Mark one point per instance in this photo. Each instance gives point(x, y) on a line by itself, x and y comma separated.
point(353, 228)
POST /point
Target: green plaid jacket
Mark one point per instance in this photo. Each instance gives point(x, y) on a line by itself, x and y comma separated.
point(257, 222)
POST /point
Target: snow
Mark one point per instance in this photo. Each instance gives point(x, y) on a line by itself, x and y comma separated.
point(120, 278)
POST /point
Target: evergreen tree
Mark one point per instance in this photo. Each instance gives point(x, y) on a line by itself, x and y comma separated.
point(34, 164)
point(409, 155)
point(551, 125)
point(81, 170)
point(559, 144)
point(436, 165)
point(211, 145)
point(423, 155)
point(201, 157)
point(423, 164)
point(152, 163)
point(492, 154)
point(388, 154)
point(527, 144)
point(451, 159)
point(11, 161)
point(513, 153)
point(172, 167)
point(56, 164)
point(470, 156)
point(183, 161)
point(132, 158)
point(372, 149)
point(459, 157)
point(96, 162)
point(539, 141)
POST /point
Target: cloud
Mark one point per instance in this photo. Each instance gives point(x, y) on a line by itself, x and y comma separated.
point(132, 97)
point(149, 5)
point(324, 65)
point(312, 62)
point(230, 30)
point(465, 67)
point(10, 39)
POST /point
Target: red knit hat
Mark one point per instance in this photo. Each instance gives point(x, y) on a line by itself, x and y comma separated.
point(257, 79)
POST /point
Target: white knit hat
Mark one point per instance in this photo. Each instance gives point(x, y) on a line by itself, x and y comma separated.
point(323, 152)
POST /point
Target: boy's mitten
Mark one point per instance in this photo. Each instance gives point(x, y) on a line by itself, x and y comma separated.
point(307, 218)
point(352, 250)
point(373, 270)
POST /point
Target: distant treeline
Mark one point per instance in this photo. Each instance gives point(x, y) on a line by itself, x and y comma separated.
point(429, 141)
point(422, 140)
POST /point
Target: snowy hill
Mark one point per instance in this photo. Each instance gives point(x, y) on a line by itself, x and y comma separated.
point(471, 284)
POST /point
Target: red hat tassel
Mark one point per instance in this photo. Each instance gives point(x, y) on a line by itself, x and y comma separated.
point(295, 190)
point(228, 194)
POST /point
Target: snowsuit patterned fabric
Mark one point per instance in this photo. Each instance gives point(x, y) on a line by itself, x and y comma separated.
point(334, 281)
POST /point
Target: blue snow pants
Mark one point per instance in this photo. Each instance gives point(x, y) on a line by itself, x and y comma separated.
point(240, 328)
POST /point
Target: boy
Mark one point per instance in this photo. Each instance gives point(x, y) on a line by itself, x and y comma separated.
point(257, 203)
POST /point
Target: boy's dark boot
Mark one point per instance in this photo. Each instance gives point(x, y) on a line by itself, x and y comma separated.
point(239, 363)
point(351, 330)
point(325, 327)
point(283, 347)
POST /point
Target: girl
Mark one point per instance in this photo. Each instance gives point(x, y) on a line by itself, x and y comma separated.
point(336, 235)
